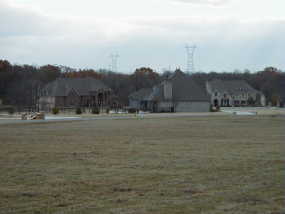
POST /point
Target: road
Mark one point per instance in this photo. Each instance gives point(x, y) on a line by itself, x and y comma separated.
point(17, 120)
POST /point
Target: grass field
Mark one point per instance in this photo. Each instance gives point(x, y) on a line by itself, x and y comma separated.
point(213, 165)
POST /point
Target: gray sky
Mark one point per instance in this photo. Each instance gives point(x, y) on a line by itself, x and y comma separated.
point(229, 34)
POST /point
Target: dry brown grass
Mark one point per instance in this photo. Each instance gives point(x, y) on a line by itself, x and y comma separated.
point(222, 164)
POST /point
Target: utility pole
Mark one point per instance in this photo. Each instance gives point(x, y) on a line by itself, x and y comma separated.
point(190, 50)
point(114, 62)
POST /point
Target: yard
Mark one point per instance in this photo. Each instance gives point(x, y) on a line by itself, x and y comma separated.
point(209, 165)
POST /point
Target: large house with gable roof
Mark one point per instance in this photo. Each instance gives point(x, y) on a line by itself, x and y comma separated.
point(177, 93)
point(230, 93)
point(73, 93)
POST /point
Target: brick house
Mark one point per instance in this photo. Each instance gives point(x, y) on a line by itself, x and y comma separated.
point(229, 93)
point(73, 93)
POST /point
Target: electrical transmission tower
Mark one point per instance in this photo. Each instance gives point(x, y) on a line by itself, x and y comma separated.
point(190, 50)
point(114, 62)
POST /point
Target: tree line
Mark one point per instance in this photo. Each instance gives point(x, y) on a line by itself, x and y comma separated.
point(20, 85)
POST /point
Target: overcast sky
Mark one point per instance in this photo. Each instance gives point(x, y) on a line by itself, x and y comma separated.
point(229, 34)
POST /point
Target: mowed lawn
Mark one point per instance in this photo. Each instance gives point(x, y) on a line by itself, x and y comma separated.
point(213, 165)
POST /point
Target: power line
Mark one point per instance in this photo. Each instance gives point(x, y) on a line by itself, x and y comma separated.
point(190, 50)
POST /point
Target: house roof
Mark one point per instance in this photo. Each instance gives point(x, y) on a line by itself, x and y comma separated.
point(233, 87)
point(82, 86)
point(184, 88)
point(142, 94)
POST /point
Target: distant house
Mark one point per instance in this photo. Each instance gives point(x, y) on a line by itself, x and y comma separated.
point(74, 92)
point(234, 93)
point(178, 93)
point(141, 99)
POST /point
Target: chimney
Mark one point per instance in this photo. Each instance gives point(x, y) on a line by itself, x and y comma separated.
point(167, 90)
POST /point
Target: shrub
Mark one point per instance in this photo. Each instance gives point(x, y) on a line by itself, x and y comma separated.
point(55, 110)
point(211, 108)
point(78, 111)
point(95, 110)
point(214, 108)
point(132, 110)
point(107, 110)
point(11, 110)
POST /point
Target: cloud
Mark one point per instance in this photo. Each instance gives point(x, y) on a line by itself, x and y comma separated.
point(17, 22)
point(27, 36)
point(205, 2)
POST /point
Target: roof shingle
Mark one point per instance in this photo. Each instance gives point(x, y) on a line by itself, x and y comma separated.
point(184, 88)
point(233, 87)
point(82, 86)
